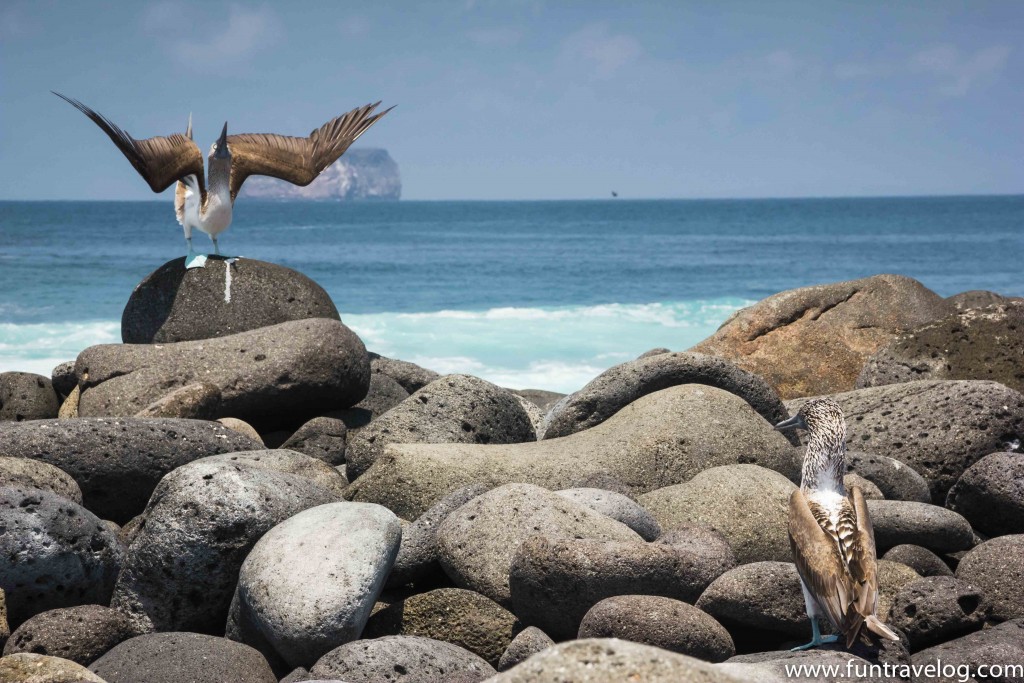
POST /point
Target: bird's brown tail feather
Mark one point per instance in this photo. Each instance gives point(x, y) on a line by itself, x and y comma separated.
point(875, 625)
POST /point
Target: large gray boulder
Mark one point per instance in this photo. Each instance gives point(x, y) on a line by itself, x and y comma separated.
point(117, 462)
point(53, 553)
point(990, 494)
point(476, 542)
point(935, 609)
point(921, 560)
point(529, 642)
point(26, 396)
point(996, 567)
point(177, 657)
point(309, 584)
point(409, 376)
point(39, 475)
point(617, 506)
point(173, 304)
point(748, 505)
point(899, 522)
point(401, 659)
point(81, 634)
point(895, 480)
point(269, 377)
point(619, 386)
point(990, 654)
point(201, 522)
point(938, 427)
point(452, 409)
point(324, 438)
point(288, 462)
point(555, 581)
point(760, 596)
point(975, 343)
point(815, 340)
point(660, 439)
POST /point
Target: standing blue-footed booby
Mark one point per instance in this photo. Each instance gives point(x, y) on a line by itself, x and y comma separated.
point(233, 158)
point(830, 533)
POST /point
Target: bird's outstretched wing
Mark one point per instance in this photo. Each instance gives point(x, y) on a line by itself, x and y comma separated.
point(159, 160)
point(297, 160)
point(181, 190)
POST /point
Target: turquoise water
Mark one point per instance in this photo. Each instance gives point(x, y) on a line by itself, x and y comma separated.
point(542, 294)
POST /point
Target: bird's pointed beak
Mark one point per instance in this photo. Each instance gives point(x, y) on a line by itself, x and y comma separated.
point(792, 423)
point(222, 143)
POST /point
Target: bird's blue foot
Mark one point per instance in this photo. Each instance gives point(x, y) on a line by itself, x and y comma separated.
point(815, 642)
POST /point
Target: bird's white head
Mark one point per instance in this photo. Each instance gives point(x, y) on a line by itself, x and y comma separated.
point(825, 460)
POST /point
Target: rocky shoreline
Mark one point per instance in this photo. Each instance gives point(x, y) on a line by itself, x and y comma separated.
point(243, 492)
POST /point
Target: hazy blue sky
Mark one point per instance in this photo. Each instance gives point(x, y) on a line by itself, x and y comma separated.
point(536, 99)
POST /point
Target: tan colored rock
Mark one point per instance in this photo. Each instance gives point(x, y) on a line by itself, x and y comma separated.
point(661, 439)
point(69, 408)
point(32, 668)
point(242, 427)
point(198, 401)
point(5, 629)
point(815, 340)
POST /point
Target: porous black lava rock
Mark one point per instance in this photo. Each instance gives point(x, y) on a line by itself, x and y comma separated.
point(921, 560)
point(529, 642)
point(26, 396)
point(938, 427)
point(662, 622)
point(63, 378)
point(990, 494)
point(271, 377)
point(555, 581)
point(201, 522)
point(383, 395)
point(760, 596)
point(39, 475)
point(895, 480)
point(985, 343)
point(999, 650)
point(454, 615)
point(996, 567)
point(453, 409)
point(619, 386)
point(82, 634)
point(402, 659)
point(323, 438)
point(418, 554)
point(118, 461)
point(53, 553)
point(409, 376)
point(898, 522)
point(178, 657)
point(935, 609)
point(173, 304)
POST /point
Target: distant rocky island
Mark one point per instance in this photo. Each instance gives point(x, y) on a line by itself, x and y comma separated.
point(360, 174)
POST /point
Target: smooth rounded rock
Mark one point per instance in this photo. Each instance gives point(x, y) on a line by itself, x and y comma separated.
point(555, 581)
point(618, 507)
point(197, 401)
point(477, 541)
point(53, 553)
point(778, 666)
point(242, 427)
point(611, 660)
point(895, 480)
point(990, 494)
point(867, 487)
point(898, 522)
point(999, 649)
point(938, 427)
point(529, 642)
point(409, 376)
point(63, 378)
point(996, 567)
point(921, 560)
point(658, 440)
point(270, 377)
point(117, 462)
point(985, 343)
point(815, 340)
point(761, 596)
point(662, 622)
point(747, 504)
point(201, 522)
point(81, 634)
point(323, 438)
point(603, 481)
point(418, 554)
point(401, 659)
point(383, 395)
point(25, 667)
point(26, 396)
point(452, 409)
point(288, 462)
point(309, 584)
point(935, 609)
point(176, 657)
point(39, 475)
point(173, 304)
point(619, 386)
point(456, 616)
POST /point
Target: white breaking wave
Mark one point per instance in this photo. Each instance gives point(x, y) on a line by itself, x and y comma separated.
point(557, 348)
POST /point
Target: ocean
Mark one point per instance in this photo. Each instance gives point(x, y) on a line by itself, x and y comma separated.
point(525, 294)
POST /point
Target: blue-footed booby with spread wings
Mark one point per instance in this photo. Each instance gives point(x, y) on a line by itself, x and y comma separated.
point(830, 533)
point(162, 161)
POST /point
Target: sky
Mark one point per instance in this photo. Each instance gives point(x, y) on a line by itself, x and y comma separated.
point(510, 99)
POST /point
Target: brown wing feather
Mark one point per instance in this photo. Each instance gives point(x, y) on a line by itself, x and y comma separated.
point(159, 160)
point(863, 564)
point(297, 160)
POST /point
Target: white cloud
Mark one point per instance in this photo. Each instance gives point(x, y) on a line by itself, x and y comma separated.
point(957, 73)
point(248, 29)
point(495, 37)
point(602, 52)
